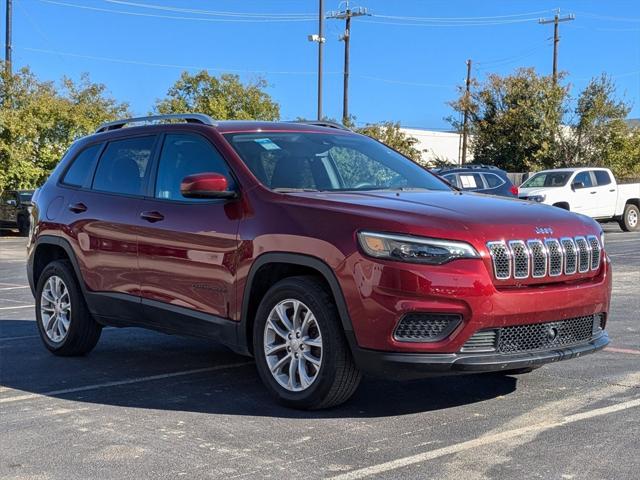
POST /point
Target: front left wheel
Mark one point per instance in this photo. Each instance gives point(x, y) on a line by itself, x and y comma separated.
point(65, 324)
point(300, 349)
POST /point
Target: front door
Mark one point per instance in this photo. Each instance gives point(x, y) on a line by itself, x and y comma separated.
point(187, 247)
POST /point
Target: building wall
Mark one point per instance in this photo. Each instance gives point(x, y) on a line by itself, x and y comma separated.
point(440, 145)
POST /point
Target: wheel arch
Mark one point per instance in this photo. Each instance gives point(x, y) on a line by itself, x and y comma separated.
point(289, 264)
point(46, 249)
point(563, 205)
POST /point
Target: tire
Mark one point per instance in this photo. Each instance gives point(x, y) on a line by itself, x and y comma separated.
point(630, 221)
point(82, 331)
point(336, 378)
point(23, 226)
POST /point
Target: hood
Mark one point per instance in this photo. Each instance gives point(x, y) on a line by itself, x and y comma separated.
point(486, 215)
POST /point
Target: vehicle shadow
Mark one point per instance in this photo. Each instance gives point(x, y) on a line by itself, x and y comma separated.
point(224, 383)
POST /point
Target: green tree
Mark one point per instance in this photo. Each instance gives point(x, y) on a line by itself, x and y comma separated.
point(390, 134)
point(39, 121)
point(224, 97)
point(515, 120)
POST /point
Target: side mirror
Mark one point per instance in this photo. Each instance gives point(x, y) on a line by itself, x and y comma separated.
point(206, 185)
point(11, 203)
point(577, 185)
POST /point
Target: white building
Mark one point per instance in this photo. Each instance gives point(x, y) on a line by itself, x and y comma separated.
point(438, 145)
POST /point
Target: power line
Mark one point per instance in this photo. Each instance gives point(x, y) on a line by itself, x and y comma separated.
point(461, 19)
point(451, 25)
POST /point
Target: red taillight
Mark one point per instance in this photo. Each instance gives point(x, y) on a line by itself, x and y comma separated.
point(514, 190)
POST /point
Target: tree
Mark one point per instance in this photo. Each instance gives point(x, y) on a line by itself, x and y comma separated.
point(515, 120)
point(223, 98)
point(390, 134)
point(39, 121)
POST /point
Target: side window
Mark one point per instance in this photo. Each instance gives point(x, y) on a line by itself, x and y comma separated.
point(183, 155)
point(470, 181)
point(493, 180)
point(602, 177)
point(80, 171)
point(452, 179)
point(584, 178)
point(123, 166)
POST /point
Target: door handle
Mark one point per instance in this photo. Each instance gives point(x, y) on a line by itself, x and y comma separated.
point(78, 207)
point(152, 216)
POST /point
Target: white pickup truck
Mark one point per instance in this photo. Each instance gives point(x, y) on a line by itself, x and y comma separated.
point(589, 191)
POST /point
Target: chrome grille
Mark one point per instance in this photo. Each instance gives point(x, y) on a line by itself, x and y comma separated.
point(520, 259)
point(596, 251)
point(570, 260)
point(556, 257)
point(501, 258)
point(584, 254)
point(536, 258)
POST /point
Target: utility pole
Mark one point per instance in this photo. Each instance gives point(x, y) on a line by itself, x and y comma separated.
point(319, 38)
point(465, 121)
point(346, 15)
point(556, 37)
point(7, 51)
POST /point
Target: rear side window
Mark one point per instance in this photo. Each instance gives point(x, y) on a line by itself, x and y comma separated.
point(602, 177)
point(493, 180)
point(80, 171)
point(183, 155)
point(470, 181)
point(124, 165)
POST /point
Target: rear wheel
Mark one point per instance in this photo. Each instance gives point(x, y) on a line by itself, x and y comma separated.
point(64, 321)
point(301, 353)
point(630, 218)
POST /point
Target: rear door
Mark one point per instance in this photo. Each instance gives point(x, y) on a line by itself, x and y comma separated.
point(187, 247)
point(104, 217)
point(606, 195)
point(584, 197)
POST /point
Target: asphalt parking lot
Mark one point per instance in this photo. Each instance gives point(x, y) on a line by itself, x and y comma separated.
point(148, 405)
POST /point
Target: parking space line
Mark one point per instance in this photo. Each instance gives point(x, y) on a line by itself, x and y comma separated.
point(482, 441)
point(16, 307)
point(19, 338)
point(17, 287)
point(622, 350)
point(117, 383)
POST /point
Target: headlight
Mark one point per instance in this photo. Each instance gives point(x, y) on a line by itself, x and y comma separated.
point(405, 248)
point(537, 198)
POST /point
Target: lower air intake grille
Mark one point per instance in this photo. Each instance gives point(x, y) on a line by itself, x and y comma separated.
point(425, 327)
point(533, 337)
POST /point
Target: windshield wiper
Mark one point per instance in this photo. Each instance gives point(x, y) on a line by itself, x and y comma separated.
point(294, 190)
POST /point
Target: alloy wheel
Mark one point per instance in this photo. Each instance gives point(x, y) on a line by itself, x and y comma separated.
point(55, 309)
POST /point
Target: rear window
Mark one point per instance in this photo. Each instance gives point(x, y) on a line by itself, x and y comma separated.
point(80, 171)
point(602, 177)
point(493, 180)
point(123, 166)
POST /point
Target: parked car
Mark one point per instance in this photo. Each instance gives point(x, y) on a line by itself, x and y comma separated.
point(14, 210)
point(481, 179)
point(589, 191)
point(320, 252)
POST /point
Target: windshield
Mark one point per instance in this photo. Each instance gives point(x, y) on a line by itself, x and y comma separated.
point(25, 196)
point(547, 179)
point(286, 161)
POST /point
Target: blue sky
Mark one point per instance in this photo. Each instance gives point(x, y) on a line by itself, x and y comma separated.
point(402, 70)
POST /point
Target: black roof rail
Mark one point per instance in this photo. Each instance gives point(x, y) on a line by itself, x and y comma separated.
point(187, 117)
point(323, 123)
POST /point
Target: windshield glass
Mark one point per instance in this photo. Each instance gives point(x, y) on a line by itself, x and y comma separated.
point(547, 179)
point(285, 161)
point(25, 196)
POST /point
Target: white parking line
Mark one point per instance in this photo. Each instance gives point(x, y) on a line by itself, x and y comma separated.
point(4, 289)
point(19, 338)
point(16, 307)
point(482, 441)
point(116, 383)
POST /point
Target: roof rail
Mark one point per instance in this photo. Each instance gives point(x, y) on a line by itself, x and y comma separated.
point(187, 117)
point(323, 123)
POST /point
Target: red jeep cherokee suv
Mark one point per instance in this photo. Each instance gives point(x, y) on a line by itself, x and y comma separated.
point(320, 252)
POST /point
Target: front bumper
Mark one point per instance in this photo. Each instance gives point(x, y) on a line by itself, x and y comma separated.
point(419, 365)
